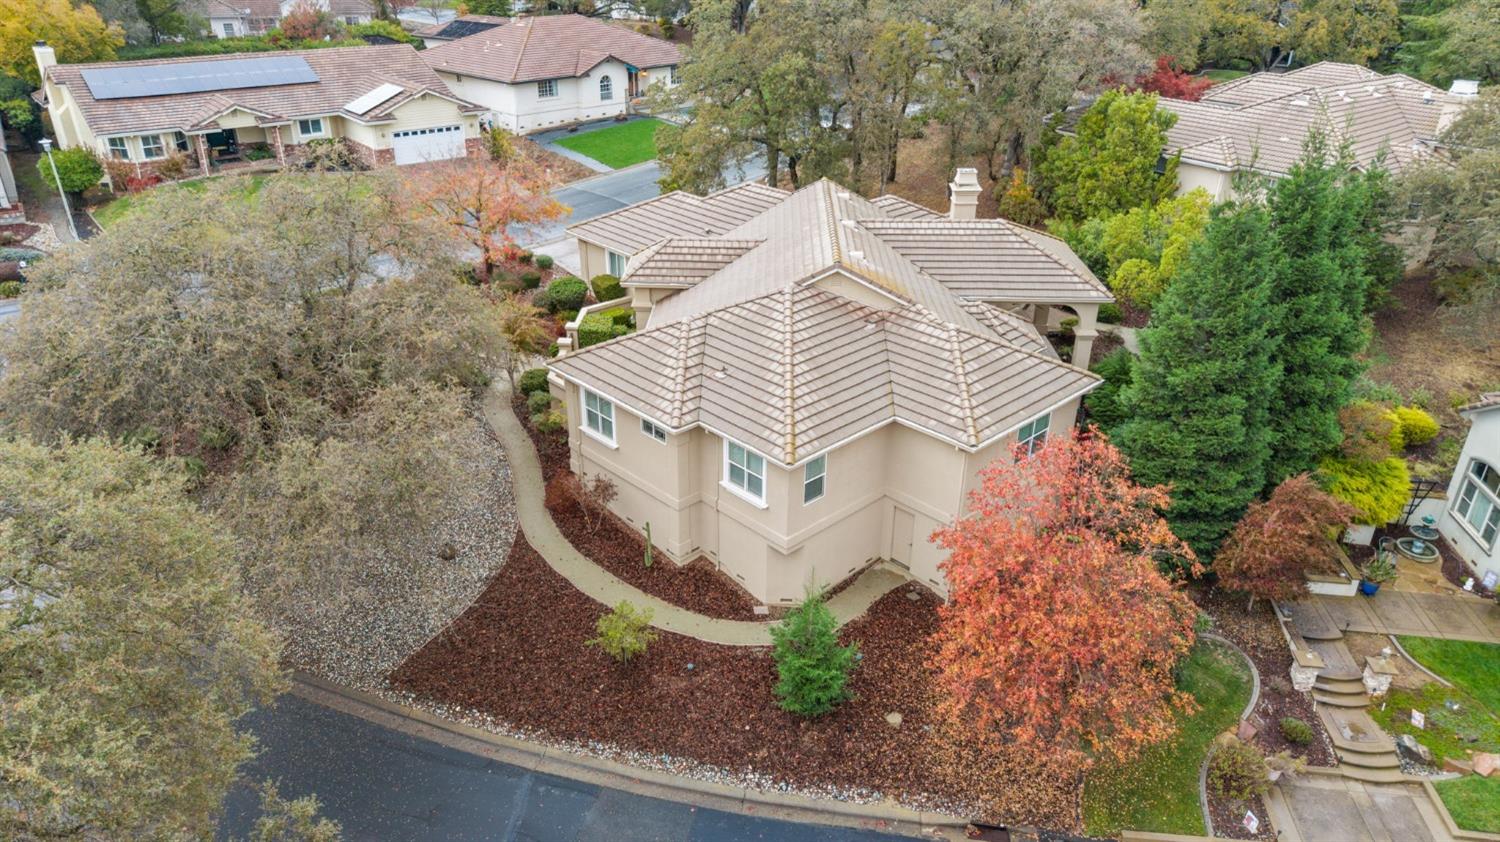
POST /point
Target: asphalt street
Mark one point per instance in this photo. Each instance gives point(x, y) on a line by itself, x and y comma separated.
point(386, 785)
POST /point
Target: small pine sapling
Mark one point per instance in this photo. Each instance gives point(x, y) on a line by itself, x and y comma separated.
point(812, 667)
point(624, 632)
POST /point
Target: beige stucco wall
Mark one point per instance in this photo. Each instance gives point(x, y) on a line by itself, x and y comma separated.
point(893, 482)
point(1193, 176)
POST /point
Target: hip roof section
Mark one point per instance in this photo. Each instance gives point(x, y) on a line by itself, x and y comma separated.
point(548, 47)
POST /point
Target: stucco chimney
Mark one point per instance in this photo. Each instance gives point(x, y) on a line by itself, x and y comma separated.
point(963, 194)
point(45, 56)
point(1462, 92)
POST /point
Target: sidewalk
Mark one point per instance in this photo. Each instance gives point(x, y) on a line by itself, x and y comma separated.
point(1325, 808)
point(1451, 617)
point(603, 586)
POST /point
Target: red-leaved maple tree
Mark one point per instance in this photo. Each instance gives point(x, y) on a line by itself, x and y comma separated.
point(1172, 82)
point(1281, 539)
point(485, 203)
point(1061, 633)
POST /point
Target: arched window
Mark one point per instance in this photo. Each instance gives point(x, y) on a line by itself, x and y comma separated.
point(1478, 505)
point(606, 88)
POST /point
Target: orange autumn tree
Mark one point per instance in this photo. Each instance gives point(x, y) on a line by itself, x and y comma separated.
point(483, 203)
point(1061, 633)
point(1281, 539)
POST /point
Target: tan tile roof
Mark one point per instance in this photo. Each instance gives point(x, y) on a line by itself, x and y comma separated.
point(1488, 400)
point(896, 207)
point(1011, 328)
point(677, 214)
point(344, 74)
point(548, 47)
point(682, 262)
point(799, 369)
point(1260, 121)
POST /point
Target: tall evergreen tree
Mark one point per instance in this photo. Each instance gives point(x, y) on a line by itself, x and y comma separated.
point(1319, 215)
point(1203, 388)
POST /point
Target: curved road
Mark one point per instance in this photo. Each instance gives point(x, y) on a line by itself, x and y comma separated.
point(388, 785)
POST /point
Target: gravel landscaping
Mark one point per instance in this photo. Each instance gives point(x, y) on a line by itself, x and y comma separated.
point(393, 613)
point(517, 662)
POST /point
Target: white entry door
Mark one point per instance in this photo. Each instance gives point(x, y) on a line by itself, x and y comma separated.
point(417, 146)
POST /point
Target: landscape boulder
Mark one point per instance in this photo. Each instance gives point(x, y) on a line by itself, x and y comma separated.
point(1413, 750)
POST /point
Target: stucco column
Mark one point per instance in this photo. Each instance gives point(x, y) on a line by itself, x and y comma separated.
point(1040, 315)
point(1084, 333)
point(202, 144)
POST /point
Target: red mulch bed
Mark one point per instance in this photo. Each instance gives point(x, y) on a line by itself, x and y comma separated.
point(16, 232)
point(697, 586)
point(519, 654)
point(1455, 571)
point(1229, 818)
point(1259, 636)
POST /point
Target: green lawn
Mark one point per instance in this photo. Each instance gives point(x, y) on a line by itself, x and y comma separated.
point(115, 209)
point(1475, 667)
point(1224, 75)
point(617, 146)
point(1159, 790)
point(1473, 801)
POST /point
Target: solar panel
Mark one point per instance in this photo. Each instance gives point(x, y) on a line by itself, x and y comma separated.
point(464, 28)
point(191, 77)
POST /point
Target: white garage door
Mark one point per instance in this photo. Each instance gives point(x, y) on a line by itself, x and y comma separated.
point(416, 146)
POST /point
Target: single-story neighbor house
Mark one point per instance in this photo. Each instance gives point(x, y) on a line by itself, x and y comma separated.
point(537, 73)
point(383, 102)
point(1471, 522)
point(1258, 123)
point(818, 378)
point(233, 18)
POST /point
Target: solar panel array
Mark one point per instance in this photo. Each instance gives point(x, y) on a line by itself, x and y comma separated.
point(464, 28)
point(191, 77)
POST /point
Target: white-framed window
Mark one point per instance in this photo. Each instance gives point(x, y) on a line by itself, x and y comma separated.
point(228, 30)
point(745, 472)
point(616, 263)
point(599, 416)
point(814, 479)
point(1478, 505)
point(151, 147)
point(351, 20)
point(1033, 434)
point(546, 88)
point(180, 141)
point(311, 127)
point(653, 431)
point(119, 149)
point(606, 87)
point(672, 75)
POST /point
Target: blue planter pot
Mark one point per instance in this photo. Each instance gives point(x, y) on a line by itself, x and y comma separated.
point(1368, 588)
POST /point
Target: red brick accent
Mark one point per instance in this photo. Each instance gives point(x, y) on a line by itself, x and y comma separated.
point(474, 147)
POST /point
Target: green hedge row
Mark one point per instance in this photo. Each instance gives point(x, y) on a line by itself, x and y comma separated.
point(604, 325)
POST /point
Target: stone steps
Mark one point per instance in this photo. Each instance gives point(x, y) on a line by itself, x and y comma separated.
point(1341, 700)
point(1339, 685)
point(1372, 776)
point(1382, 760)
point(1320, 633)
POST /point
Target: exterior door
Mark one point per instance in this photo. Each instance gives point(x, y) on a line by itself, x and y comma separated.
point(416, 146)
point(903, 528)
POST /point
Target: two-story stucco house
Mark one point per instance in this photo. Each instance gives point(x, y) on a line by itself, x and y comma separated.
point(818, 378)
point(382, 101)
point(233, 18)
point(1471, 522)
point(541, 72)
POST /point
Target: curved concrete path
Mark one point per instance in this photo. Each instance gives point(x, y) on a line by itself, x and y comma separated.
point(529, 490)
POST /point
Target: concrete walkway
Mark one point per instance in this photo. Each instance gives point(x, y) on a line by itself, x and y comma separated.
point(1318, 807)
point(1450, 617)
point(604, 587)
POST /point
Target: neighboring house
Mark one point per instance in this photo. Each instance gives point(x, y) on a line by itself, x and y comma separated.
point(459, 27)
point(1471, 522)
point(537, 73)
point(233, 18)
point(1258, 123)
point(818, 378)
point(10, 201)
point(382, 101)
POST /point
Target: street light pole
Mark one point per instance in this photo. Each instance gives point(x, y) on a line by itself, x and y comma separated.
point(47, 147)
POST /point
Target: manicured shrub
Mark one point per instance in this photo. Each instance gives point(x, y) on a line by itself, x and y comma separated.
point(1378, 490)
point(1111, 314)
point(525, 256)
point(812, 668)
point(1414, 425)
point(539, 402)
point(531, 280)
point(566, 293)
point(544, 261)
point(78, 169)
point(624, 632)
point(604, 325)
point(1296, 731)
point(549, 422)
point(1237, 770)
point(10, 289)
point(607, 287)
point(532, 380)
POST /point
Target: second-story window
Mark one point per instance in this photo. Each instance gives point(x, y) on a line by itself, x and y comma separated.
point(814, 478)
point(599, 416)
point(1033, 434)
point(616, 263)
point(745, 471)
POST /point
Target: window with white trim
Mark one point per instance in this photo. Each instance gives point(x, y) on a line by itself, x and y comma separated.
point(814, 479)
point(616, 263)
point(653, 431)
point(311, 127)
point(228, 30)
point(672, 76)
point(599, 416)
point(119, 149)
point(1033, 434)
point(1478, 505)
point(745, 471)
point(606, 87)
point(151, 147)
point(546, 88)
